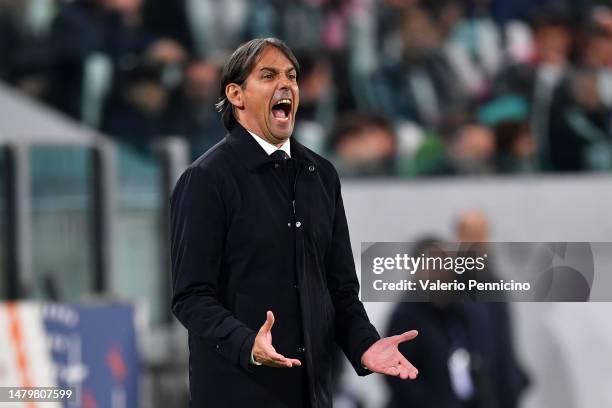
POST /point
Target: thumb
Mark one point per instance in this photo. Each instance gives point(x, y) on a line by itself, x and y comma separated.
point(267, 326)
point(407, 336)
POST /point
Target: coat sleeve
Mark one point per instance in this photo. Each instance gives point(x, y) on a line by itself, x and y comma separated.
point(198, 229)
point(354, 332)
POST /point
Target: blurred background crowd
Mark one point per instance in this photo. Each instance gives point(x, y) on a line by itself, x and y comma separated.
point(388, 87)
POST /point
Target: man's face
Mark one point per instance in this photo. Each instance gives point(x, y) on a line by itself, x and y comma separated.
point(553, 45)
point(270, 97)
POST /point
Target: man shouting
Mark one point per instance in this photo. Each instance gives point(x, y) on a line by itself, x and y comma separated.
point(262, 268)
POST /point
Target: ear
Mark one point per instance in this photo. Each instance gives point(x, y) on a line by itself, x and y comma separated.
point(233, 92)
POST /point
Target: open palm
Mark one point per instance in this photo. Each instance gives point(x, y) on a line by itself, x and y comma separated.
point(384, 357)
point(264, 352)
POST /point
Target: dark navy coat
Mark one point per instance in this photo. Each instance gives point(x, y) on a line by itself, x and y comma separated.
point(240, 246)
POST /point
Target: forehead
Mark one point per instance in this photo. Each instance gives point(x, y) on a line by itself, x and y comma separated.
point(272, 57)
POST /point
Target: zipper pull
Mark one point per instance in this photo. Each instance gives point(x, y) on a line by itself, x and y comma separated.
point(293, 203)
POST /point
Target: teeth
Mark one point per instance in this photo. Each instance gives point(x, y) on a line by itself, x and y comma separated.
point(284, 102)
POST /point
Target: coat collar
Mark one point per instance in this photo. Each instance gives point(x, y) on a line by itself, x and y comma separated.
point(252, 155)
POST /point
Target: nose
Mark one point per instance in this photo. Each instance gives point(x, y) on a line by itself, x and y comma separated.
point(285, 83)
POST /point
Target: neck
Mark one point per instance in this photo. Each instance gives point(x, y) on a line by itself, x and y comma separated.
point(271, 139)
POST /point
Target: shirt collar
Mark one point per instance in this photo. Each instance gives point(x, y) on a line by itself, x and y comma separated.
point(252, 155)
point(269, 148)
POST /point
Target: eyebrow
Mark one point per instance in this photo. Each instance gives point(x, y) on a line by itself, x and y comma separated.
point(275, 70)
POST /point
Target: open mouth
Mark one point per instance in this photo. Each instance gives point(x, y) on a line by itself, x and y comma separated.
point(281, 110)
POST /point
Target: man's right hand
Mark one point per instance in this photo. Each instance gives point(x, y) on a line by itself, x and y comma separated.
point(263, 350)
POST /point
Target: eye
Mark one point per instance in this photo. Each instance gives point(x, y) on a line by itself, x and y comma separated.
point(292, 77)
point(268, 75)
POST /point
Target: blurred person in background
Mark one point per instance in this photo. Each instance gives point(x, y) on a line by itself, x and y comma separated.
point(310, 24)
point(364, 145)
point(170, 19)
point(318, 107)
point(549, 57)
point(112, 28)
point(472, 43)
point(596, 47)
point(478, 47)
point(205, 28)
point(472, 231)
point(537, 78)
point(508, 117)
point(26, 52)
point(191, 111)
point(11, 14)
point(467, 358)
point(472, 226)
point(300, 22)
point(338, 18)
point(317, 95)
point(469, 149)
point(580, 128)
point(420, 85)
point(581, 124)
point(472, 150)
point(390, 16)
point(516, 147)
point(134, 114)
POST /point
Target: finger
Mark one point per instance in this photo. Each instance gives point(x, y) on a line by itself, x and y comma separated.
point(280, 359)
point(295, 362)
point(405, 363)
point(267, 326)
point(275, 362)
point(407, 366)
point(393, 371)
point(406, 336)
point(286, 362)
point(406, 373)
point(278, 364)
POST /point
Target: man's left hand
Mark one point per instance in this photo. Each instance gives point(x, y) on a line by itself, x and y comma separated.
point(385, 358)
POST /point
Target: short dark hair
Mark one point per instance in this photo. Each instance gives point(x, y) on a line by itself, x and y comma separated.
point(239, 66)
point(550, 16)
